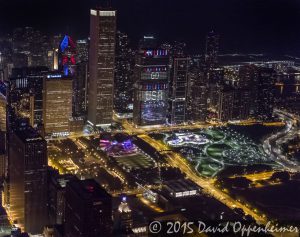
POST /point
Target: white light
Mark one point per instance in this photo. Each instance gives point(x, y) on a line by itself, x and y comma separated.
point(107, 13)
point(93, 12)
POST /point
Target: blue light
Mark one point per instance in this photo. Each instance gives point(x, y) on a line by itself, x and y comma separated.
point(66, 70)
point(64, 44)
point(54, 76)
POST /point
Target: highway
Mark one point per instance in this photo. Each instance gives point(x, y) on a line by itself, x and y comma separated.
point(272, 145)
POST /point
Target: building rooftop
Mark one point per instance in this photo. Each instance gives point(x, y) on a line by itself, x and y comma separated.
point(181, 185)
point(28, 134)
point(88, 189)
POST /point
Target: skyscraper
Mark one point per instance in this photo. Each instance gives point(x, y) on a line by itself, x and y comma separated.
point(226, 103)
point(123, 76)
point(80, 84)
point(212, 50)
point(30, 47)
point(123, 219)
point(246, 93)
point(25, 93)
point(57, 196)
point(198, 96)
point(28, 179)
point(179, 89)
point(66, 56)
point(101, 66)
point(3, 105)
point(57, 104)
point(82, 54)
point(151, 84)
point(265, 93)
point(242, 104)
point(88, 210)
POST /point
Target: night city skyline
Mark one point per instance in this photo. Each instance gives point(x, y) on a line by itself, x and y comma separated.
point(149, 118)
point(250, 26)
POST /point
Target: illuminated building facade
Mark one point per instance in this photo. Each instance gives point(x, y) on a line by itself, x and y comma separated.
point(123, 76)
point(67, 52)
point(123, 219)
point(30, 47)
point(3, 164)
point(57, 196)
point(264, 90)
point(212, 50)
point(226, 104)
point(245, 93)
point(57, 104)
point(152, 85)
point(242, 104)
point(3, 105)
point(179, 90)
point(101, 67)
point(87, 200)
point(80, 85)
point(3, 108)
point(25, 93)
point(28, 179)
point(198, 96)
point(82, 48)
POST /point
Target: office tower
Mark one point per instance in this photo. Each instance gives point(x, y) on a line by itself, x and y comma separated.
point(3, 105)
point(264, 90)
point(198, 96)
point(123, 219)
point(179, 89)
point(226, 104)
point(6, 53)
point(151, 84)
point(215, 75)
point(101, 67)
point(3, 164)
point(247, 76)
point(27, 170)
point(32, 44)
point(20, 60)
point(178, 49)
point(66, 56)
point(54, 47)
point(215, 79)
point(123, 76)
point(57, 104)
point(25, 93)
point(80, 84)
point(57, 196)
point(244, 96)
point(212, 50)
point(3, 141)
point(82, 54)
point(51, 58)
point(88, 210)
point(242, 104)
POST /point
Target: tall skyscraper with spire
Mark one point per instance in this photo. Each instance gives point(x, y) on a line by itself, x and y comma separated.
point(101, 66)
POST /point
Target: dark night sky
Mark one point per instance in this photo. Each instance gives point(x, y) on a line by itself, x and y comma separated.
point(245, 25)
